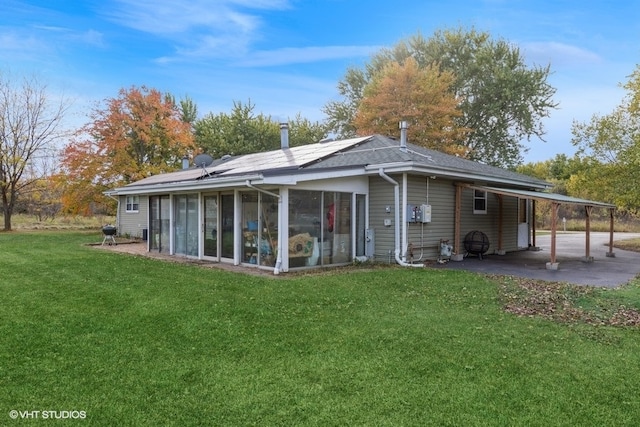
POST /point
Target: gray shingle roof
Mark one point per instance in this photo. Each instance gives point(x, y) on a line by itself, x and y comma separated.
point(362, 152)
point(383, 150)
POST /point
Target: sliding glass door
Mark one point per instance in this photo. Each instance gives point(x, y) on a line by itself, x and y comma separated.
point(159, 228)
point(186, 224)
point(210, 229)
point(226, 225)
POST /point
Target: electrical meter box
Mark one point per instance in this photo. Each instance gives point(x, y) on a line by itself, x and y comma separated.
point(421, 213)
point(426, 213)
point(413, 213)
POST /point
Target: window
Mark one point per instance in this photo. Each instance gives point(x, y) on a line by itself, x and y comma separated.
point(479, 202)
point(133, 203)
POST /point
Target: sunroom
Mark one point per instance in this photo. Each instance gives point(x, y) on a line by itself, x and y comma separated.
point(243, 226)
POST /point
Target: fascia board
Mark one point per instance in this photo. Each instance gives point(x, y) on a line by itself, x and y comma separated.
point(453, 174)
point(207, 184)
point(293, 179)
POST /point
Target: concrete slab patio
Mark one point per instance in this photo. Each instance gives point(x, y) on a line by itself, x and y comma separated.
point(570, 253)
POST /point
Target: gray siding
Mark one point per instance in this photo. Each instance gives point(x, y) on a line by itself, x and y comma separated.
point(488, 223)
point(510, 224)
point(131, 223)
point(381, 196)
point(425, 237)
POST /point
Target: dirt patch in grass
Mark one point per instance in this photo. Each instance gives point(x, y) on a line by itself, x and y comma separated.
point(628, 245)
point(561, 302)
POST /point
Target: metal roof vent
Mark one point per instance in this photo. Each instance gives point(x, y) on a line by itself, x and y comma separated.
point(284, 135)
point(403, 135)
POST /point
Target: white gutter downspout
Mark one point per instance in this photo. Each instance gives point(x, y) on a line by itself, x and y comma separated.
point(276, 269)
point(396, 196)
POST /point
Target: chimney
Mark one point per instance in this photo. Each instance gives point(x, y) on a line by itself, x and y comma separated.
point(403, 135)
point(284, 135)
point(185, 162)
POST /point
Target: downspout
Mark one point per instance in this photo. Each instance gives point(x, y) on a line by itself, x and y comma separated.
point(396, 197)
point(276, 269)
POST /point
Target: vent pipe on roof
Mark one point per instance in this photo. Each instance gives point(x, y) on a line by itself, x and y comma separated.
point(185, 162)
point(284, 135)
point(403, 135)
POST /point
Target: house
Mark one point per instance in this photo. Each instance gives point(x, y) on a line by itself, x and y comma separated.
point(330, 203)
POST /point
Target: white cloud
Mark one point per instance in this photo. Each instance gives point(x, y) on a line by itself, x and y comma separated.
point(202, 28)
point(558, 54)
point(292, 55)
point(171, 18)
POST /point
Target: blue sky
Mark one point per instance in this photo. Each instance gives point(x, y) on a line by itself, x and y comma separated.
point(287, 56)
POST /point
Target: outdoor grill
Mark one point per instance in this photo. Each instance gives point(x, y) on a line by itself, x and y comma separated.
point(476, 242)
point(109, 232)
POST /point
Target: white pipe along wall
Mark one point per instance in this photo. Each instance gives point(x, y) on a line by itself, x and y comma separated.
point(396, 196)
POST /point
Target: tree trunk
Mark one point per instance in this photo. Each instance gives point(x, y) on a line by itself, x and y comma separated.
point(7, 209)
point(7, 220)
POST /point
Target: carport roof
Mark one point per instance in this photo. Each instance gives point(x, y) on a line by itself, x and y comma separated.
point(538, 195)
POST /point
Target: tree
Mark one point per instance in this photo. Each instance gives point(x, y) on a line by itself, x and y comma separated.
point(30, 124)
point(502, 100)
point(303, 131)
point(419, 96)
point(138, 134)
point(243, 132)
point(610, 145)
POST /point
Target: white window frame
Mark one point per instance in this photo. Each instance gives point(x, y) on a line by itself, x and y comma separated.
point(132, 204)
point(479, 196)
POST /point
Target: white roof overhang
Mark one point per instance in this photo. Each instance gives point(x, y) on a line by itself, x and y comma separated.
point(537, 195)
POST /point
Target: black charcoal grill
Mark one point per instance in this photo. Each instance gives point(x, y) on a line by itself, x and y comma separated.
point(109, 232)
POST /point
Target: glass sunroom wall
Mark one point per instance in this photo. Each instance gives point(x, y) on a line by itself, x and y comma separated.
point(250, 228)
point(268, 245)
point(186, 220)
point(305, 228)
point(159, 224)
point(260, 231)
point(337, 235)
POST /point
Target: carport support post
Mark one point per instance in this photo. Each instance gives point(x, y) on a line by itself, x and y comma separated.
point(552, 264)
point(533, 223)
point(587, 249)
point(611, 254)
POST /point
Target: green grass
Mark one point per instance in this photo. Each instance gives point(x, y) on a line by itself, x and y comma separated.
point(140, 342)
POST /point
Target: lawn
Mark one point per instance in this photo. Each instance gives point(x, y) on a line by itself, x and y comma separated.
point(132, 341)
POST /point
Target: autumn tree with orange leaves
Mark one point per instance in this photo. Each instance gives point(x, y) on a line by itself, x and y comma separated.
point(421, 97)
point(140, 133)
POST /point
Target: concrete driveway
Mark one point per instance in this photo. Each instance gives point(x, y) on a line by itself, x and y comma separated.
point(570, 254)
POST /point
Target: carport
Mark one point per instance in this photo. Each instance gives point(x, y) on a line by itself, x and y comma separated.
point(556, 201)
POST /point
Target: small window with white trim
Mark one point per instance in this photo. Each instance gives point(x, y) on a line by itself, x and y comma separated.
point(133, 203)
point(479, 202)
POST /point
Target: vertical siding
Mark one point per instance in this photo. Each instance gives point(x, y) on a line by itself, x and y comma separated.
point(130, 223)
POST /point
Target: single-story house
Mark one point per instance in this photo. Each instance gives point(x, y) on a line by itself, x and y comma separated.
point(330, 203)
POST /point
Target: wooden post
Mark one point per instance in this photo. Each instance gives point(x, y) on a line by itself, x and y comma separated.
point(533, 222)
point(610, 253)
point(554, 225)
point(587, 251)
